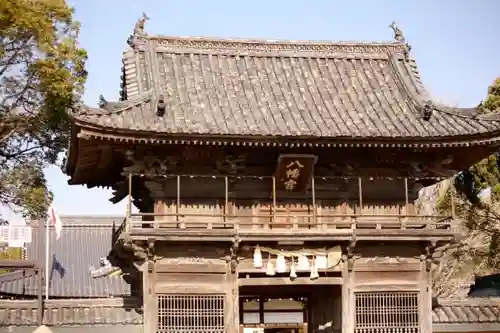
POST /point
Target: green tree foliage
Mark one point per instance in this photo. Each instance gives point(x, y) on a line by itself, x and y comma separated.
point(42, 74)
point(481, 216)
point(480, 253)
point(492, 102)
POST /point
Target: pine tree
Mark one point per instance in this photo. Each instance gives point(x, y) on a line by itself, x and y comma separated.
point(480, 253)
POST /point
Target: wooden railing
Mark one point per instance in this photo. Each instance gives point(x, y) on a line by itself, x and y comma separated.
point(315, 209)
point(331, 221)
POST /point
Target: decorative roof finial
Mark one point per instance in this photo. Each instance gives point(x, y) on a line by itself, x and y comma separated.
point(398, 34)
point(138, 30)
point(102, 102)
point(139, 26)
point(108, 106)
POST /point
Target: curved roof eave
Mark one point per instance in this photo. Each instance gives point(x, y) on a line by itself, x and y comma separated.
point(90, 130)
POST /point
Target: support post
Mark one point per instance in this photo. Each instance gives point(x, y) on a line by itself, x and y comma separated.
point(148, 296)
point(129, 205)
point(407, 208)
point(348, 304)
point(360, 190)
point(452, 202)
point(128, 219)
point(274, 200)
point(425, 306)
point(178, 202)
point(406, 196)
point(232, 303)
point(150, 299)
point(226, 197)
point(313, 190)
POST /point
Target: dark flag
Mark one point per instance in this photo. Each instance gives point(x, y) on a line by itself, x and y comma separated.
point(57, 267)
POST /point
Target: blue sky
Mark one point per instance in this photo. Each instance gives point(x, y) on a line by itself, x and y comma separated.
point(456, 45)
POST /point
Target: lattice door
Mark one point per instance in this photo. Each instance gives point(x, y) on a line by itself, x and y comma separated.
point(190, 313)
point(386, 312)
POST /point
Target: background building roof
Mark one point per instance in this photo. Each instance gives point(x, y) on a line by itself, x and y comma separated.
point(467, 315)
point(84, 240)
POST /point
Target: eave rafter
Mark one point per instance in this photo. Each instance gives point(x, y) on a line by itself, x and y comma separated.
point(91, 132)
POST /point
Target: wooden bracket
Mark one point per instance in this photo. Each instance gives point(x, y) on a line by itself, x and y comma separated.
point(234, 254)
point(428, 256)
point(151, 249)
point(232, 258)
point(350, 258)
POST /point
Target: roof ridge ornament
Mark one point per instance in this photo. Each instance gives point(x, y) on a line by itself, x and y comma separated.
point(161, 106)
point(427, 110)
point(109, 106)
point(400, 38)
point(398, 33)
point(138, 30)
point(139, 26)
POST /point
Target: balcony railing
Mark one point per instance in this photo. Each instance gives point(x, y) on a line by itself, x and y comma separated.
point(192, 202)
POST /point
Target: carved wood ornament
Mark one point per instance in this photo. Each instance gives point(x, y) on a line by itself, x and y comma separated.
point(148, 163)
point(350, 257)
point(387, 260)
point(232, 258)
point(190, 159)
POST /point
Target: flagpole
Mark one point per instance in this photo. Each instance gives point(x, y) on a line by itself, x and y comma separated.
point(47, 247)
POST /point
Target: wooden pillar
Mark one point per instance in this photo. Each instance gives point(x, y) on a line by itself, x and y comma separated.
point(149, 296)
point(348, 294)
point(232, 306)
point(425, 308)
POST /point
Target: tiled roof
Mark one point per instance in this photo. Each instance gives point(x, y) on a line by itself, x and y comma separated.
point(468, 310)
point(280, 89)
point(83, 241)
point(467, 315)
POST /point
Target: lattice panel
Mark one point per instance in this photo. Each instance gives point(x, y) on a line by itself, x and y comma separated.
point(386, 312)
point(190, 313)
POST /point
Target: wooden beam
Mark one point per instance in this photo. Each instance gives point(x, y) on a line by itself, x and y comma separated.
point(281, 281)
point(387, 267)
point(277, 235)
point(387, 287)
point(191, 268)
point(188, 288)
